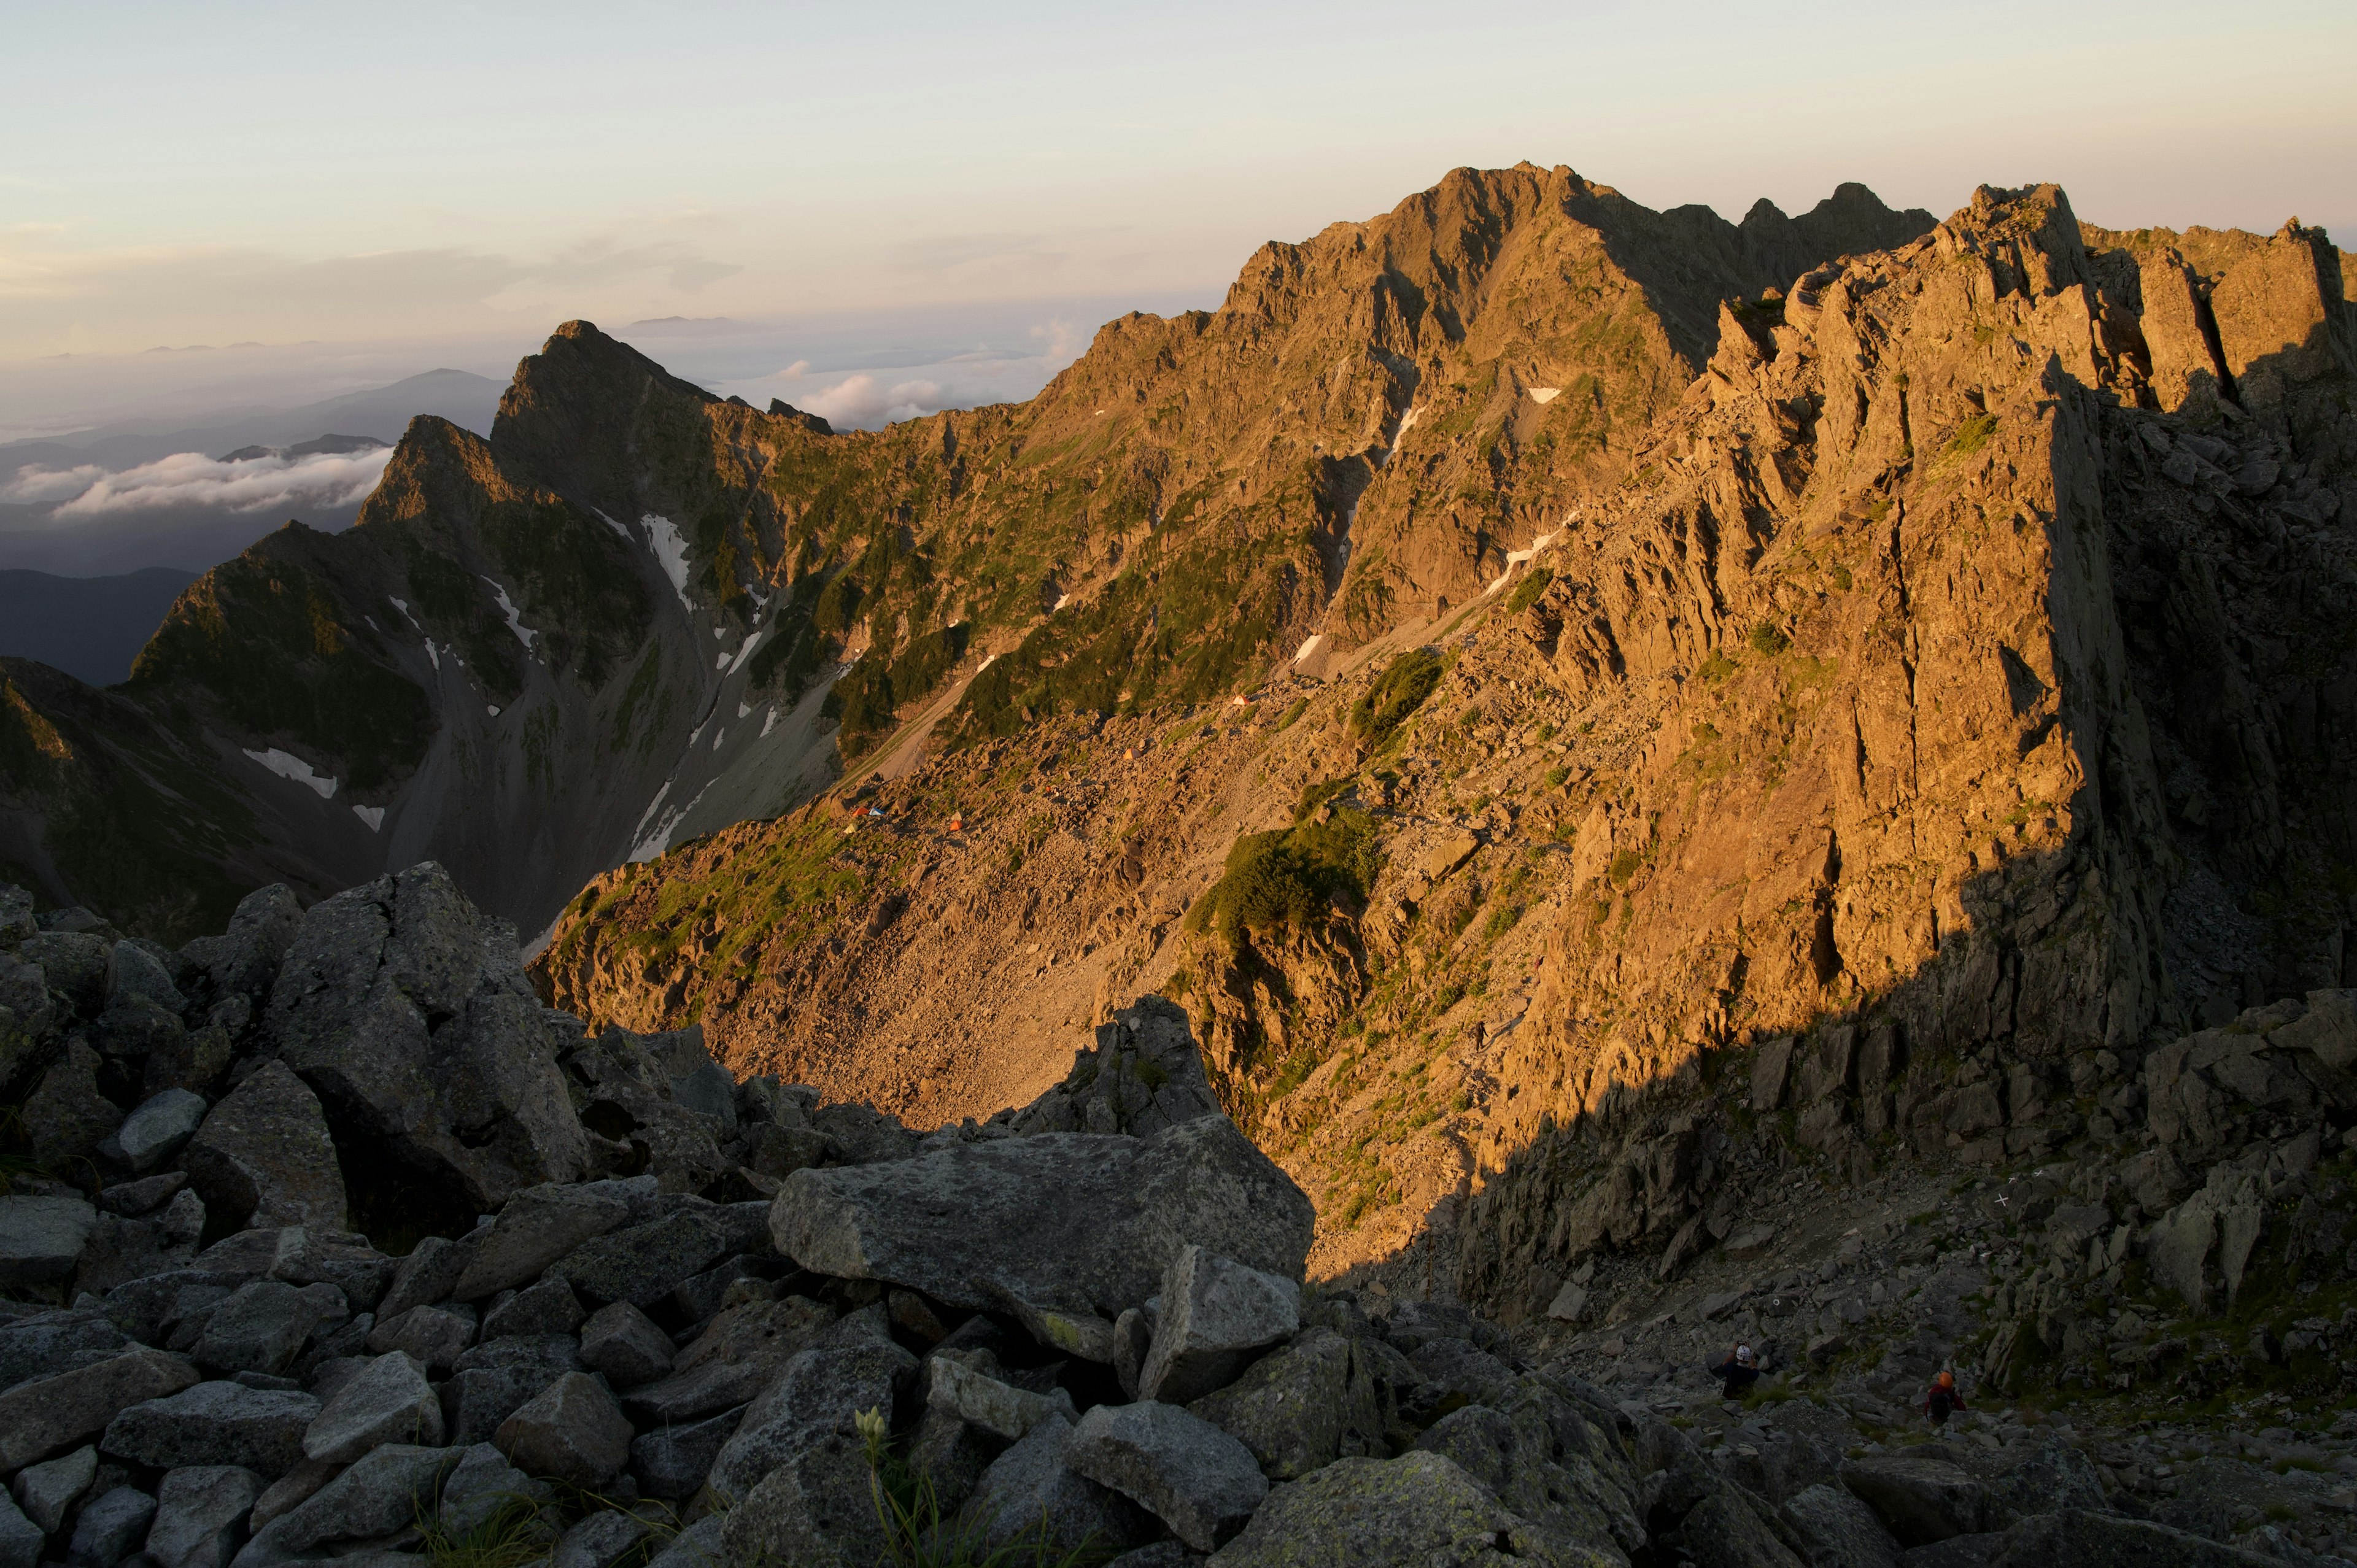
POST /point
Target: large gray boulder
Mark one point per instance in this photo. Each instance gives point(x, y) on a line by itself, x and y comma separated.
point(570, 1431)
point(1839, 1529)
point(41, 1237)
point(263, 1157)
point(1301, 1407)
point(1142, 1075)
point(673, 1461)
point(20, 1537)
point(2082, 1538)
point(1068, 1220)
point(1216, 1315)
point(1416, 1512)
point(1543, 1466)
point(408, 1010)
point(216, 1424)
point(856, 1366)
point(739, 1353)
point(1030, 1495)
point(537, 1228)
point(155, 1129)
point(1918, 1498)
point(384, 1491)
point(243, 959)
point(1196, 1478)
point(111, 1528)
point(200, 1514)
point(264, 1324)
point(46, 1491)
point(48, 1415)
point(495, 1379)
point(53, 1342)
point(388, 1400)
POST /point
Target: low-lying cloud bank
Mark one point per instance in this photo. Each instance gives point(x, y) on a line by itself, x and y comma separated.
point(193, 479)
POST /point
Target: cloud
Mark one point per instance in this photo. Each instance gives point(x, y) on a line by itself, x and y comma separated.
point(193, 479)
point(864, 402)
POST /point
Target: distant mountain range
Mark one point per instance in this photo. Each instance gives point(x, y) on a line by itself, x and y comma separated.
point(91, 627)
point(193, 534)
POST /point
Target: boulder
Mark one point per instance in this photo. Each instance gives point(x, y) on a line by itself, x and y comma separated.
point(535, 1229)
point(1918, 1498)
point(66, 1119)
point(434, 1335)
point(121, 1250)
point(857, 1367)
point(388, 1400)
point(598, 1540)
point(135, 974)
point(642, 1263)
point(548, 1307)
point(359, 1272)
point(1068, 1220)
point(200, 1514)
point(624, 1343)
point(20, 1539)
point(2083, 1537)
point(1416, 1512)
point(1143, 1074)
point(697, 1546)
point(111, 1528)
point(213, 1425)
point(570, 1431)
point(813, 1509)
point(1216, 1315)
point(263, 1157)
point(46, 1491)
point(291, 1491)
point(673, 1461)
point(381, 1492)
point(42, 1238)
point(53, 1342)
point(738, 1354)
point(495, 1379)
point(1196, 1478)
point(243, 959)
point(1301, 1406)
point(48, 1415)
point(480, 1485)
point(1839, 1529)
point(410, 1011)
point(998, 1408)
point(1031, 1499)
point(2056, 1476)
point(156, 1131)
point(263, 1325)
point(429, 1273)
point(132, 1198)
point(74, 963)
point(1540, 1459)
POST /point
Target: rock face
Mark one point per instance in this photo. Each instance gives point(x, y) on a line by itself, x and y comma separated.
point(408, 1012)
point(1094, 1218)
point(264, 1157)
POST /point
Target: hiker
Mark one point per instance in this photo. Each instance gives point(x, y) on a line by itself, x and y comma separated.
point(1738, 1373)
point(1943, 1401)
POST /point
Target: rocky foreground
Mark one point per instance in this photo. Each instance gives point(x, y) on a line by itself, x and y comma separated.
point(326, 1241)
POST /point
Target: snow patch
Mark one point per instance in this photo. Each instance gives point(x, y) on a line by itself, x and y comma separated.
point(372, 815)
point(492, 709)
point(619, 531)
point(515, 619)
point(1517, 557)
point(671, 549)
point(722, 661)
point(719, 632)
point(744, 710)
point(433, 653)
point(1407, 422)
point(733, 665)
point(657, 838)
point(1543, 395)
point(718, 738)
point(771, 721)
point(1062, 600)
point(288, 766)
point(1311, 646)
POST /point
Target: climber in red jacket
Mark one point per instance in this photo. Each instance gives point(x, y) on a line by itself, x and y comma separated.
point(1942, 1400)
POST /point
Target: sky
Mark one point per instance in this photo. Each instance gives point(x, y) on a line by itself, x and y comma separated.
point(876, 210)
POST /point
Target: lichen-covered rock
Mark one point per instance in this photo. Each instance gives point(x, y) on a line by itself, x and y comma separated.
point(1303, 1405)
point(66, 1119)
point(384, 1491)
point(537, 1228)
point(48, 1415)
point(1196, 1478)
point(407, 1009)
point(214, 1424)
point(1216, 1315)
point(200, 1514)
point(388, 1400)
point(570, 1431)
point(1920, 1499)
point(1067, 1218)
point(1031, 1495)
point(263, 1157)
point(42, 1238)
point(1839, 1529)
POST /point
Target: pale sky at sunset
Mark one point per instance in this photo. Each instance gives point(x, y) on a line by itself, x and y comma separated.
point(455, 179)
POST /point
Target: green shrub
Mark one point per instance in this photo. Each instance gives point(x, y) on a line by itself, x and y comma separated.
point(1526, 591)
point(1971, 436)
point(1398, 692)
point(1280, 881)
point(1767, 641)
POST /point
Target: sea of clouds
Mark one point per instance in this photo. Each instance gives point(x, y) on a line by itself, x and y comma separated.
point(193, 479)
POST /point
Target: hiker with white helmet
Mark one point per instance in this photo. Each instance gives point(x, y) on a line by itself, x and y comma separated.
point(1738, 1371)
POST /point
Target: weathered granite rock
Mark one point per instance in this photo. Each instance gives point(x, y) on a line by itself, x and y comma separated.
point(245, 959)
point(570, 1431)
point(1196, 1478)
point(200, 1514)
point(1030, 1496)
point(642, 1263)
point(2056, 1476)
point(263, 1157)
point(1216, 1315)
point(1918, 1500)
point(121, 1250)
point(156, 1129)
point(697, 1546)
point(480, 1485)
point(1541, 1460)
point(598, 1540)
point(407, 1009)
point(263, 1325)
point(74, 963)
point(495, 1379)
point(389, 1401)
point(537, 1228)
point(132, 1198)
point(811, 1508)
point(131, 972)
point(673, 1461)
point(111, 1528)
point(429, 1273)
point(216, 1424)
point(46, 1491)
point(998, 1408)
point(53, 1342)
point(739, 1353)
point(856, 1366)
point(624, 1343)
point(380, 1493)
point(2082, 1538)
point(1066, 1219)
point(435, 1336)
point(1141, 1074)
point(48, 1415)
point(42, 1238)
point(1839, 1529)
point(1417, 1511)
point(309, 1256)
point(66, 1119)
point(1301, 1406)
point(548, 1307)
point(20, 1537)
point(292, 1490)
